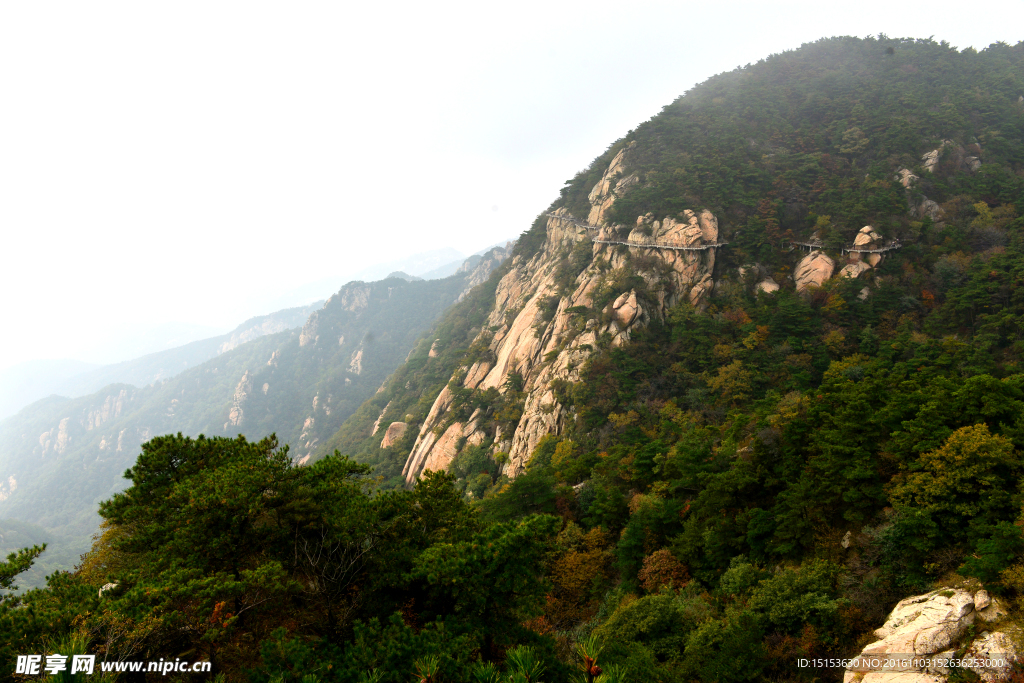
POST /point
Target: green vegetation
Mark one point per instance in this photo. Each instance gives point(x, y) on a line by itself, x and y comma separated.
point(410, 392)
point(65, 456)
point(736, 488)
point(223, 549)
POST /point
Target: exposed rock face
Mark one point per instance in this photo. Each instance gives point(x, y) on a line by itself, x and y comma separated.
point(548, 337)
point(906, 177)
point(931, 209)
point(854, 270)
point(612, 185)
point(867, 238)
point(929, 627)
point(994, 647)
point(813, 270)
point(354, 299)
point(961, 158)
point(355, 364)
point(110, 409)
point(931, 159)
point(434, 353)
point(8, 487)
point(396, 430)
point(46, 438)
point(767, 286)
point(242, 392)
point(479, 273)
point(380, 418)
point(63, 438)
point(267, 325)
point(626, 309)
point(308, 334)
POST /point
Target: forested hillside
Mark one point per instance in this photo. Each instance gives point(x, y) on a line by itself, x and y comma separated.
point(752, 379)
point(60, 457)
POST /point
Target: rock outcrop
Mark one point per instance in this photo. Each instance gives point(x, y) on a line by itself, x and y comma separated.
point(813, 270)
point(544, 324)
point(854, 270)
point(923, 631)
point(613, 185)
point(931, 209)
point(355, 365)
point(963, 158)
point(867, 238)
point(930, 160)
point(906, 178)
point(395, 431)
point(380, 418)
point(479, 271)
point(238, 400)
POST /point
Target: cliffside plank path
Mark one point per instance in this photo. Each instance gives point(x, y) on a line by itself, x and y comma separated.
point(630, 243)
point(810, 246)
point(895, 244)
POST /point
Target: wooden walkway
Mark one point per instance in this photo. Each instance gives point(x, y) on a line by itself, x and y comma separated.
point(651, 244)
point(645, 244)
point(895, 244)
point(810, 245)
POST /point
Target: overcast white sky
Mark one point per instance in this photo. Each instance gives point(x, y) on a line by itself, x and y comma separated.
point(193, 162)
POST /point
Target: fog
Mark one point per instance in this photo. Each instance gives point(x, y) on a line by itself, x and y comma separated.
point(193, 164)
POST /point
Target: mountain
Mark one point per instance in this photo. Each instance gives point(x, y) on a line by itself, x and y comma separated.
point(23, 384)
point(166, 364)
point(754, 333)
point(406, 276)
point(60, 456)
point(434, 261)
point(747, 394)
point(443, 271)
point(30, 381)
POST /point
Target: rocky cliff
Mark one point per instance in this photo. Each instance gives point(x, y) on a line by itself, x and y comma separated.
point(589, 285)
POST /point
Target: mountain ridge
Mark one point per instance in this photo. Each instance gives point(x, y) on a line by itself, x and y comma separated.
point(632, 448)
point(300, 383)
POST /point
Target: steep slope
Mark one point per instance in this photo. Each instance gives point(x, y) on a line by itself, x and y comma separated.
point(553, 310)
point(757, 449)
point(852, 180)
point(771, 344)
point(59, 457)
point(68, 378)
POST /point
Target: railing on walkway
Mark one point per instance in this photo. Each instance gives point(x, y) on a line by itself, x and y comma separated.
point(646, 243)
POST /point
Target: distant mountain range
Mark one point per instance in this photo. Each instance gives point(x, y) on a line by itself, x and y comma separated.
point(28, 382)
point(298, 373)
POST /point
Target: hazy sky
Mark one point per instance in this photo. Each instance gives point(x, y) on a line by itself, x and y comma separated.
point(193, 162)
